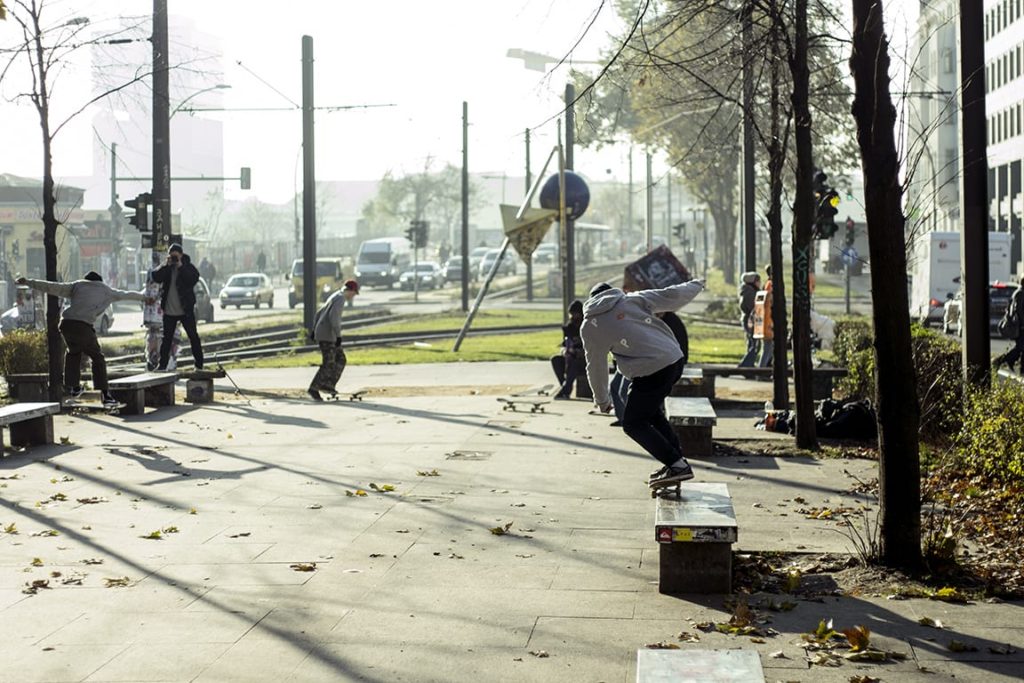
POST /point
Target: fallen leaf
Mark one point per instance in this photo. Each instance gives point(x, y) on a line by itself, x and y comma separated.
point(501, 530)
point(314, 506)
point(65, 440)
point(662, 645)
point(859, 637)
point(119, 582)
point(428, 473)
point(243, 534)
point(928, 621)
point(778, 654)
point(539, 653)
point(91, 560)
point(687, 637)
point(960, 646)
point(153, 535)
point(11, 528)
point(47, 532)
point(36, 562)
point(304, 566)
point(1001, 650)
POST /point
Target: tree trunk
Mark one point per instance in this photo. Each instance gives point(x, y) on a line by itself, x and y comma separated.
point(776, 166)
point(725, 240)
point(896, 397)
point(803, 211)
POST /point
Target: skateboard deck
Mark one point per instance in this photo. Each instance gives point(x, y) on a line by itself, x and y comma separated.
point(93, 406)
point(536, 405)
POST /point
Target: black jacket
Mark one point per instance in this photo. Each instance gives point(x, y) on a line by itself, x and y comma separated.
point(188, 276)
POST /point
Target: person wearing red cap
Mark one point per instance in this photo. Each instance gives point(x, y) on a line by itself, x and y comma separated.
point(327, 334)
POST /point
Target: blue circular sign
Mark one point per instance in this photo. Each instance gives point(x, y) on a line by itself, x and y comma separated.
point(577, 195)
point(848, 255)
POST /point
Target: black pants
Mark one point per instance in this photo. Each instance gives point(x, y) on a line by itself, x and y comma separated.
point(644, 419)
point(1015, 354)
point(80, 338)
point(188, 323)
point(567, 367)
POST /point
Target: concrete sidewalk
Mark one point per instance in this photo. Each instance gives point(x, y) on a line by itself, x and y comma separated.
point(284, 554)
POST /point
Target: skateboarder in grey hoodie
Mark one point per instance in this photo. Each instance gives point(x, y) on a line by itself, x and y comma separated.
point(648, 354)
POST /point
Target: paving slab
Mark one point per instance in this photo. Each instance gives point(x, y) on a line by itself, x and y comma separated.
point(409, 583)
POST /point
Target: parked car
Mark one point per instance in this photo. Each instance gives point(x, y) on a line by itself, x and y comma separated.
point(999, 296)
point(204, 302)
point(546, 253)
point(428, 273)
point(453, 270)
point(506, 267)
point(247, 289)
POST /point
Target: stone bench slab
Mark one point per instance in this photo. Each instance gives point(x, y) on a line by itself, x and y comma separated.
point(698, 666)
point(690, 411)
point(29, 423)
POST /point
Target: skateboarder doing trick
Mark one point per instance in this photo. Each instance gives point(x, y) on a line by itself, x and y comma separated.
point(88, 298)
point(646, 353)
point(327, 335)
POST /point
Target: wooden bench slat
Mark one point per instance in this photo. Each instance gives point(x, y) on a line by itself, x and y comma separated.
point(698, 666)
point(19, 412)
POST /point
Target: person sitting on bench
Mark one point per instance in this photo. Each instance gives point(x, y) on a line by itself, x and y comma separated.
point(569, 361)
point(88, 298)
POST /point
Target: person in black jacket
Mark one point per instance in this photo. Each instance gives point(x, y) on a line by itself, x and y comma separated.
point(1016, 352)
point(569, 362)
point(178, 278)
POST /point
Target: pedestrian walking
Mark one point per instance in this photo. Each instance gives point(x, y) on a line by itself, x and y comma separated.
point(569, 360)
point(648, 354)
point(1013, 318)
point(748, 291)
point(261, 262)
point(178, 278)
point(764, 326)
point(327, 334)
point(87, 298)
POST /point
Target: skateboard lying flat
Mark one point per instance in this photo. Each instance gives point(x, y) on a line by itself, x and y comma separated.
point(536, 404)
point(339, 395)
point(93, 406)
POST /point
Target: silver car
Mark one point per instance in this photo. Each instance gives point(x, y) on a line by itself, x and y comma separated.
point(248, 289)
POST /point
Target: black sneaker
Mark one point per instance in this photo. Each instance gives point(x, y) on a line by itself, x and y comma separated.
point(74, 392)
point(109, 400)
point(315, 395)
point(673, 474)
point(656, 474)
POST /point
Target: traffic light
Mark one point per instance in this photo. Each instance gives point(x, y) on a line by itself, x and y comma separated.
point(422, 234)
point(139, 205)
point(826, 202)
point(679, 229)
point(410, 232)
point(851, 234)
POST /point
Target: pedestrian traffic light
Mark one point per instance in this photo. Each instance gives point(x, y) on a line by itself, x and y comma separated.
point(139, 205)
point(851, 234)
point(826, 201)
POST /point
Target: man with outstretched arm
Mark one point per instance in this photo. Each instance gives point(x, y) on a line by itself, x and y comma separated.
point(88, 298)
point(648, 354)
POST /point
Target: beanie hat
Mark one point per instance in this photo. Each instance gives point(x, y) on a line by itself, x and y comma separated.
point(352, 285)
point(598, 288)
point(576, 306)
point(175, 247)
point(93, 276)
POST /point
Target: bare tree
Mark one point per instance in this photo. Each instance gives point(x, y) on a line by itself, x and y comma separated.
point(896, 393)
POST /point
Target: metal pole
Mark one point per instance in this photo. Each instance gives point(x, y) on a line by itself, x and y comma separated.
point(668, 208)
point(309, 293)
point(480, 296)
point(465, 206)
point(974, 194)
point(115, 222)
point(161, 131)
point(529, 261)
point(650, 205)
point(749, 227)
point(847, 289)
point(562, 221)
point(629, 206)
point(570, 228)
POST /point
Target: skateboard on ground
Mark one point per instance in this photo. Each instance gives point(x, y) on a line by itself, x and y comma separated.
point(72, 404)
point(339, 395)
point(357, 395)
point(536, 404)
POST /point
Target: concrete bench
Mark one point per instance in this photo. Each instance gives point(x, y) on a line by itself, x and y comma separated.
point(199, 385)
point(822, 379)
point(145, 389)
point(693, 420)
point(698, 666)
point(695, 533)
point(694, 383)
point(30, 423)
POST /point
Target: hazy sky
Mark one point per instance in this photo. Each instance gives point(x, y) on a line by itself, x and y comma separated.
point(424, 57)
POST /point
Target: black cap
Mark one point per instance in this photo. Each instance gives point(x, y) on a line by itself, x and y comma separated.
point(175, 247)
point(94, 276)
point(600, 287)
point(576, 306)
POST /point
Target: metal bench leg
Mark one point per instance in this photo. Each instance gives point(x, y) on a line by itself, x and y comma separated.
point(37, 431)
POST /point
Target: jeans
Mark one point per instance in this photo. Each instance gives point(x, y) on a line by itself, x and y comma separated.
point(644, 418)
point(81, 339)
point(188, 323)
point(619, 391)
point(753, 348)
point(767, 353)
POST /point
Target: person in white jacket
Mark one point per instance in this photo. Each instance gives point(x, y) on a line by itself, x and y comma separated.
point(327, 335)
point(648, 354)
point(88, 298)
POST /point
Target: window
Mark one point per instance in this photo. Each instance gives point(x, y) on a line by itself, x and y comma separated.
point(948, 61)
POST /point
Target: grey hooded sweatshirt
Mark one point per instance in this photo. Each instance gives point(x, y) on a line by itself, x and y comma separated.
point(626, 325)
point(88, 298)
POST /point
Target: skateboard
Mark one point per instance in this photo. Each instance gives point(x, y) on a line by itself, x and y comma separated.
point(93, 406)
point(666, 490)
point(536, 405)
point(337, 396)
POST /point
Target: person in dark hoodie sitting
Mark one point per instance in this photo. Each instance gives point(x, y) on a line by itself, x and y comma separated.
point(649, 355)
point(178, 278)
point(88, 298)
point(568, 362)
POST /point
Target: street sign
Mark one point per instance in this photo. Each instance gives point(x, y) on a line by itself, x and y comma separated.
point(848, 255)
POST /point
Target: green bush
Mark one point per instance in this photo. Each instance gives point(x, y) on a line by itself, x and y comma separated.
point(936, 368)
point(991, 437)
point(722, 309)
point(23, 351)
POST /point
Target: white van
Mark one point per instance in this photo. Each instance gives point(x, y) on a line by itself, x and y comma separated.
point(382, 261)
